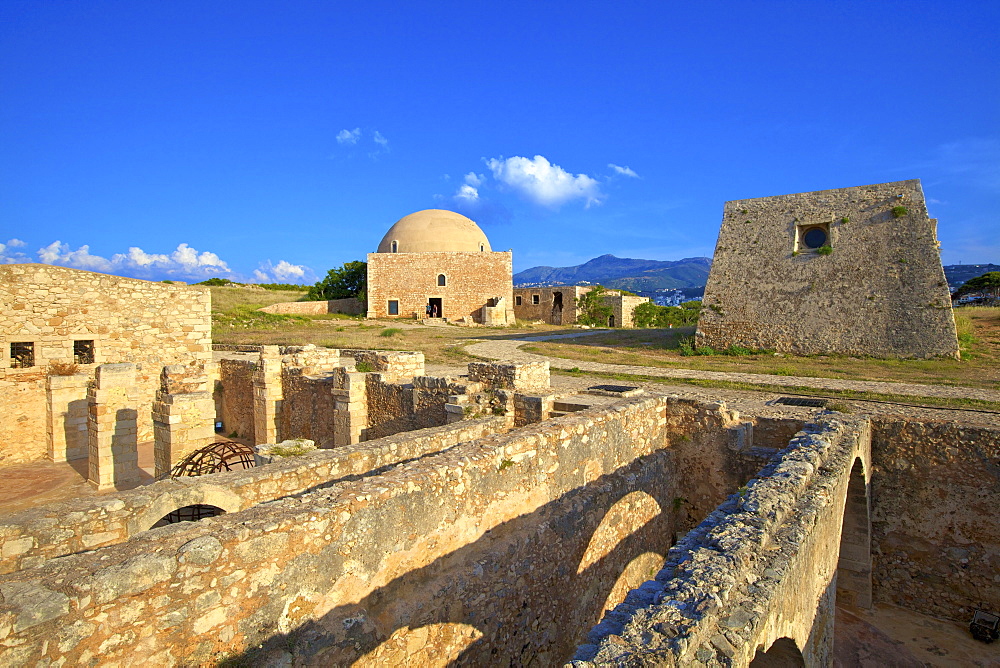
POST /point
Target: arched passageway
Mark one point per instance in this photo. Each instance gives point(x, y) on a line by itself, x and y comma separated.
point(192, 513)
point(783, 653)
point(854, 567)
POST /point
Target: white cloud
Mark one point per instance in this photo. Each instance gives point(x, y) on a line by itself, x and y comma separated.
point(380, 140)
point(623, 171)
point(184, 263)
point(349, 136)
point(474, 180)
point(467, 193)
point(544, 183)
point(60, 253)
point(283, 272)
point(10, 256)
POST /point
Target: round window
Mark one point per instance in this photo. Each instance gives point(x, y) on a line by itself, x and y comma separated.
point(814, 237)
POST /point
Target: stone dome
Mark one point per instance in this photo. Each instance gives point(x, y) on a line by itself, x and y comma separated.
point(434, 231)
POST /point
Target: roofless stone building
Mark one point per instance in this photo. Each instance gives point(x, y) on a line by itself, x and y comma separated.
point(854, 271)
point(440, 262)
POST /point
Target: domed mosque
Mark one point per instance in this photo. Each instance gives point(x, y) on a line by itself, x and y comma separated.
point(439, 264)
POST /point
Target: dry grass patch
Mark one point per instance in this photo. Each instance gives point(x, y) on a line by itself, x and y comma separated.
point(978, 330)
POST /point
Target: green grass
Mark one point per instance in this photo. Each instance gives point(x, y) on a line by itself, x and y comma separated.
point(390, 331)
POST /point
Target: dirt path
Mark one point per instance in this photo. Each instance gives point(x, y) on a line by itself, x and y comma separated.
point(509, 350)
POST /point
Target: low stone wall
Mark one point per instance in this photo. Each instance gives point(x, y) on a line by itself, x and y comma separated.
point(520, 376)
point(759, 568)
point(30, 538)
point(498, 551)
point(936, 516)
point(350, 306)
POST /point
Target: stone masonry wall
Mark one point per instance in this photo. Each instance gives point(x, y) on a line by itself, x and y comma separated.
point(498, 551)
point(148, 324)
point(411, 278)
point(935, 520)
point(236, 387)
point(544, 310)
point(510, 376)
point(880, 292)
point(758, 568)
point(32, 537)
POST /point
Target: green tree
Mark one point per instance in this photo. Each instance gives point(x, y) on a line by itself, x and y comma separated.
point(349, 280)
point(988, 284)
point(592, 309)
point(649, 314)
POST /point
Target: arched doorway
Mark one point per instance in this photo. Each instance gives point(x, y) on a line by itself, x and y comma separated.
point(783, 653)
point(192, 513)
point(854, 566)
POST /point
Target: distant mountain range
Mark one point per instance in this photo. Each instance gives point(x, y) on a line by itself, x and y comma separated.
point(622, 272)
point(651, 275)
point(956, 274)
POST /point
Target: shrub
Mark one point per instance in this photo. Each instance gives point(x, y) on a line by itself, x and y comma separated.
point(899, 211)
point(824, 250)
point(593, 312)
point(364, 367)
point(62, 369)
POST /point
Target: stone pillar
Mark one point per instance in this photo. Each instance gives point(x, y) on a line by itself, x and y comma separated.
point(66, 417)
point(183, 415)
point(267, 396)
point(350, 417)
point(112, 430)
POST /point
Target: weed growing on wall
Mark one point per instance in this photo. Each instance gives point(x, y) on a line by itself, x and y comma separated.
point(824, 250)
point(899, 211)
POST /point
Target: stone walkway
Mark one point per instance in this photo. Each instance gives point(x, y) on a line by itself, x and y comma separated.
point(509, 350)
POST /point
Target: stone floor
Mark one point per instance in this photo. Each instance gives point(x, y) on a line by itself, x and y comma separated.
point(891, 636)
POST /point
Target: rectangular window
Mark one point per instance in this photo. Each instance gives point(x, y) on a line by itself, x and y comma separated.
point(517, 300)
point(534, 299)
point(83, 352)
point(393, 307)
point(22, 355)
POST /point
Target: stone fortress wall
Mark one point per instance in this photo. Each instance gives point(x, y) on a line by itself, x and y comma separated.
point(127, 320)
point(471, 278)
point(478, 546)
point(881, 291)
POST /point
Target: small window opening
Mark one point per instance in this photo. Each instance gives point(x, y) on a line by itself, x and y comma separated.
point(517, 300)
point(812, 237)
point(442, 280)
point(534, 299)
point(22, 355)
point(83, 352)
point(395, 246)
point(482, 248)
point(393, 307)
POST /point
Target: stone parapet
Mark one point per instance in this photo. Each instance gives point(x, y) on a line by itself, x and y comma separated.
point(32, 537)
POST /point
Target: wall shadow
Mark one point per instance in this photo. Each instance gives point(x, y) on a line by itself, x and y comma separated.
point(517, 587)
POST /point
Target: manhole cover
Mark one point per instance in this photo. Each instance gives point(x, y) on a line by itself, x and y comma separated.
point(615, 390)
point(800, 401)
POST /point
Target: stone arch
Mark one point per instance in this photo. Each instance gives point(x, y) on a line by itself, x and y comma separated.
point(167, 502)
point(641, 569)
point(783, 653)
point(629, 514)
point(436, 644)
point(854, 565)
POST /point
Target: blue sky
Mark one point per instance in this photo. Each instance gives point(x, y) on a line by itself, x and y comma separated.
point(274, 140)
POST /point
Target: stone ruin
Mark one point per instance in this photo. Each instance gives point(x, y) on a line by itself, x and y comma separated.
point(853, 271)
